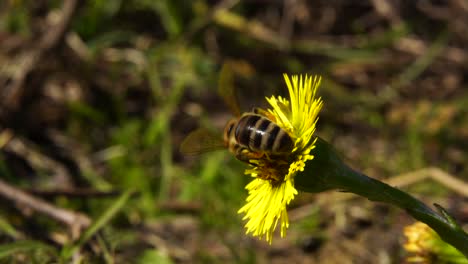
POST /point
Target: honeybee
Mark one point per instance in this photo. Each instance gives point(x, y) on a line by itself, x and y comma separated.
point(248, 136)
point(252, 135)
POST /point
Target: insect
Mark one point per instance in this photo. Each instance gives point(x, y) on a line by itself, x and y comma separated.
point(248, 136)
point(252, 135)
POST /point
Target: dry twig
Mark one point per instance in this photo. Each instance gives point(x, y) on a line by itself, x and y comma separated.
point(12, 93)
point(40, 162)
point(76, 221)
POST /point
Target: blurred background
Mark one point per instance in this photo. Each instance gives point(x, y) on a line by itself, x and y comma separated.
point(96, 97)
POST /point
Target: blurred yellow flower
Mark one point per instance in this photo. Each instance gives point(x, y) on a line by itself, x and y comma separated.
point(425, 246)
point(272, 188)
point(420, 240)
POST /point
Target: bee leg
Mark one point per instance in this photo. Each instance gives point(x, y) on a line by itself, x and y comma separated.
point(242, 154)
point(245, 155)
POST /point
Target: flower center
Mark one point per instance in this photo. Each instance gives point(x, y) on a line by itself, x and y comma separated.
point(273, 170)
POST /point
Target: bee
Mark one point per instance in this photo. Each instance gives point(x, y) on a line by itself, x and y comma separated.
point(252, 135)
point(248, 136)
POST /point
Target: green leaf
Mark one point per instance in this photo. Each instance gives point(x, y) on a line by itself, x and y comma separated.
point(154, 256)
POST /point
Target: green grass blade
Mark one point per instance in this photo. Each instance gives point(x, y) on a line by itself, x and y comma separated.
point(8, 229)
point(9, 249)
point(98, 224)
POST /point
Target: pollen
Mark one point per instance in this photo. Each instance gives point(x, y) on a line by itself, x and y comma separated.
point(271, 170)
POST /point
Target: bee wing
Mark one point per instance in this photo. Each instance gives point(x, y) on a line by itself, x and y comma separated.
point(201, 141)
point(227, 90)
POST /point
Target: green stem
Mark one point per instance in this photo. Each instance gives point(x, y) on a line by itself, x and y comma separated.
point(327, 171)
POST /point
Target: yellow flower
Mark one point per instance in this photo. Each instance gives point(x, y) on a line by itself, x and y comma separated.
point(425, 246)
point(420, 240)
point(272, 188)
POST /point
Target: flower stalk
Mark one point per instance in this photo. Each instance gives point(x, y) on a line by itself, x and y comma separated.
point(327, 171)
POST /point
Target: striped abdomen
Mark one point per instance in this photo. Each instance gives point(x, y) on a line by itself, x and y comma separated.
point(259, 134)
